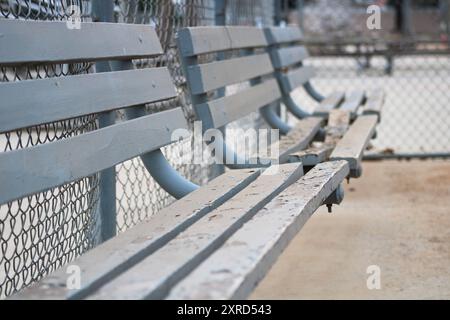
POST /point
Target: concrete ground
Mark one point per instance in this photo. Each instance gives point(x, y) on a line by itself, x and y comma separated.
point(397, 217)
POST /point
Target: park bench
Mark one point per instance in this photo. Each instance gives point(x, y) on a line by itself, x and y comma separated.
point(215, 241)
point(360, 109)
point(271, 60)
point(288, 55)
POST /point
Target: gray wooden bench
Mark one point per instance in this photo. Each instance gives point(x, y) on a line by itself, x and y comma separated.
point(288, 56)
point(231, 229)
point(271, 61)
point(363, 109)
point(251, 65)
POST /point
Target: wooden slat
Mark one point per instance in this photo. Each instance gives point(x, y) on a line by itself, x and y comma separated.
point(351, 147)
point(280, 35)
point(42, 41)
point(231, 108)
point(200, 40)
point(338, 123)
point(299, 137)
point(296, 78)
point(285, 57)
point(120, 253)
point(312, 156)
point(41, 167)
point(210, 76)
point(34, 102)
point(331, 102)
point(353, 101)
point(234, 270)
point(374, 103)
point(153, 277)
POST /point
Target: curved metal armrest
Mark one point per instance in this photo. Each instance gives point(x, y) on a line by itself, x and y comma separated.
point(295, 108)
point(160, 169)
point(313, 92)
point(274, 120)
point(166, 176)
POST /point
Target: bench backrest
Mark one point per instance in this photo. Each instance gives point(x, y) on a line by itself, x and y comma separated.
point(203, 79)
point(287, 57)
point(31, 103)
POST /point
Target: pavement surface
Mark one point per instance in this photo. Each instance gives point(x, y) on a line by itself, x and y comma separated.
point(396, 217)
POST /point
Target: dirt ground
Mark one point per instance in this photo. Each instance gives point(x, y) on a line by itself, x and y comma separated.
point(397, 217)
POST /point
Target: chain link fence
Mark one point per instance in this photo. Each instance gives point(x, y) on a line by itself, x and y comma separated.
point(138, 195)
point(42, 232)
point(408, 57)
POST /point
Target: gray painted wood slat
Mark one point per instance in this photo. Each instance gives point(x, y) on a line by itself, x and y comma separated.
point(296, 78)
point(200, 40)
point(234, 107)
point(374, 103)
point(94, 41)
point(234, 270)
point(34, 102)
point(299, 137)
point(31, 170)
point(353, 101)
point(285, 57)
point(127, 249)
point(312, 156)
point(351, 147)
point(331, 102)
point(280, 35)
point(153, 277)
point(338, 123)
point(210, 76)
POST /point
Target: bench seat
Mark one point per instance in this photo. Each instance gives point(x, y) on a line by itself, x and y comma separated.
point(351, 147)
point(344, 140)
point(375, 102)
point(154, 259)
point(299, 137)
point(234, 270)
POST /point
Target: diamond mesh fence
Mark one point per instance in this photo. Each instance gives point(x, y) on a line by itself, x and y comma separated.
point(138, 195)
point(42, 232)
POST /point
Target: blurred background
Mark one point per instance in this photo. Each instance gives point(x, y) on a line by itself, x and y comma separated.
point(408, 57)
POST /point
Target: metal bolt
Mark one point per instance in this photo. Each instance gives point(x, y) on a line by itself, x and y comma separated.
point(330, 208)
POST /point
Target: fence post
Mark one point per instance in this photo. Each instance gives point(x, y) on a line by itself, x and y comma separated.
point(300, 13)
point(277, 12)
point(407, 17)
point(103, 11)
point(444, 10)
point(219, 10)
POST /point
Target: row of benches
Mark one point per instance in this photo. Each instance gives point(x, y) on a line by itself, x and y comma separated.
point(220, 239)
